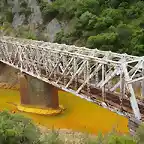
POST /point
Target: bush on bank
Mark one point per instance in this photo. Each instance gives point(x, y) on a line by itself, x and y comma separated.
point(17, 129)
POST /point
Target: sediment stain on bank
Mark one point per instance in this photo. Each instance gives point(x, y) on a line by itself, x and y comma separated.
point(80, 115)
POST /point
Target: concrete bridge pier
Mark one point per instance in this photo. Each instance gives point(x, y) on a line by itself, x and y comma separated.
point(38, 97)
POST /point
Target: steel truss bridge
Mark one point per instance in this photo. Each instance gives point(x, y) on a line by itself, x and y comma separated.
point(103, 77)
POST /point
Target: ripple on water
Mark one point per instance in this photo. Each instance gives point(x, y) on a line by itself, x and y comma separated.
point(80, 115)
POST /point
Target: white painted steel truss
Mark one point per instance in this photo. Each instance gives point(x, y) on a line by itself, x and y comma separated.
point(76, 69)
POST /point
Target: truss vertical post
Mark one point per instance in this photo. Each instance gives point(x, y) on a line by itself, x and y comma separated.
point(122, 88)
point(55, 71)
point(64, 65)
point(103, 78)
point(110, 81)
point(85, 72)
point(142, 83)
point(88, 73)
point(133, 100)
point(96, 78)
point(122, 85)
point(75, 69)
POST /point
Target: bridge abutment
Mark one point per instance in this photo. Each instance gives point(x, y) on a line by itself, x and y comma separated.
point(38, 95)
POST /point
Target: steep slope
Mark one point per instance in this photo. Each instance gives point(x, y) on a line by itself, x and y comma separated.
point(116, 25)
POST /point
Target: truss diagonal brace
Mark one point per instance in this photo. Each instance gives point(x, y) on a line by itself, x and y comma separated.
point(91, 75)
point(139, 64)
point(81, 67)
point(115, 86)
point(64, 71)
point(108, 77)
point(55, 67)
point(133, 101)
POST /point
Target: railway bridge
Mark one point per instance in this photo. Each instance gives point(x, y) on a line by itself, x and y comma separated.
point(112, 80)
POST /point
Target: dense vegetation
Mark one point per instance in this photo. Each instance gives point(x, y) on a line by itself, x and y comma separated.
point(116, 25)
point(16, 129)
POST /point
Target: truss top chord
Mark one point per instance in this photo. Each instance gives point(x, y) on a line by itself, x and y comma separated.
point(71, 49)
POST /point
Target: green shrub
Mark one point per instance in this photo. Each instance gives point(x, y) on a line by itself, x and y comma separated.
point(119, 139)
point(48, 11)
point(140, 134)
point(111, 138)
point(16, 129)
point(59, 36)
point(99, 139)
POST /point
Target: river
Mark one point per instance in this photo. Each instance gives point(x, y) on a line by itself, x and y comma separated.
point(80, 115)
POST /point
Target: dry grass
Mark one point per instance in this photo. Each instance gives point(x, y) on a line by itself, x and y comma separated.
point(68, 136)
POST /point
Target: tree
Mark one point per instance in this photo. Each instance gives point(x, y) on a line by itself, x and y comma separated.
point(103, 41)
point(91, 6)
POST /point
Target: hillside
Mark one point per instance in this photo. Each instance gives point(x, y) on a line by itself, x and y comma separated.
point(116, 25)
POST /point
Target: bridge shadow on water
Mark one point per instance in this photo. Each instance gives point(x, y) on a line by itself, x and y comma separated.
point(80, 115)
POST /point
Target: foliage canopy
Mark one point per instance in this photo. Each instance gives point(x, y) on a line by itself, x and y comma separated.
point(116, 25)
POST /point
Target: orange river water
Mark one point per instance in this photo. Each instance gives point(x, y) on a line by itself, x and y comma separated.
point(80, 115)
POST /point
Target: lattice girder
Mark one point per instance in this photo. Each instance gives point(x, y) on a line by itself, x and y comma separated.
point(75, 69)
